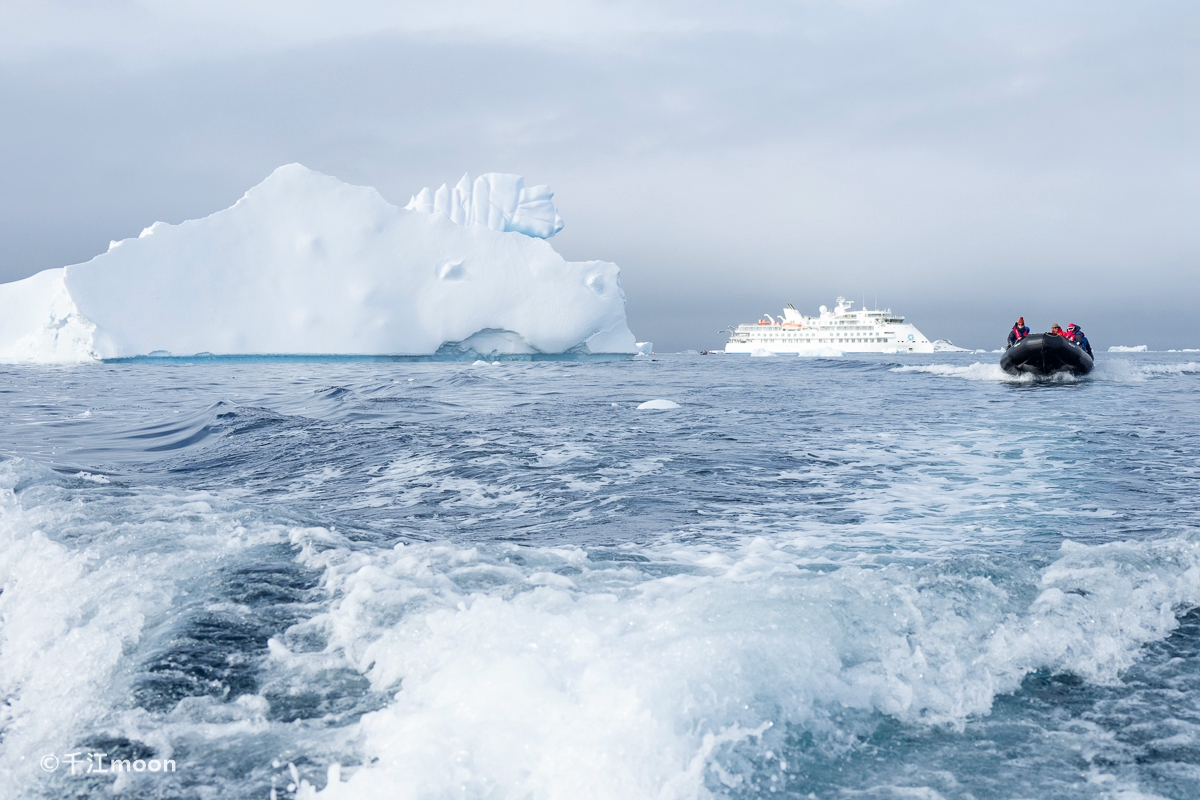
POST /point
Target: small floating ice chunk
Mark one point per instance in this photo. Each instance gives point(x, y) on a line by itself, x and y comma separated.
point(821, 353)
point(1121, 348)
point(658, 405)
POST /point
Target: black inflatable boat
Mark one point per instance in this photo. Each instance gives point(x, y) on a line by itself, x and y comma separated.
point(1045, 354)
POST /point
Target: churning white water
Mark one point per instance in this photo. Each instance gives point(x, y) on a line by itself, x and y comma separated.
point(862, 577)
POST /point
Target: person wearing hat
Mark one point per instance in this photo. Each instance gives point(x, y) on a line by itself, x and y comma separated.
point(1018, 332)
point(1075, 334)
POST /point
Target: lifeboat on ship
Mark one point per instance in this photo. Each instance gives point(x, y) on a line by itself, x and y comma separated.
point(1046, 354)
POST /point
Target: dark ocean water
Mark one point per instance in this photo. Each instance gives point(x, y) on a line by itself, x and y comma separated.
point(872, 577)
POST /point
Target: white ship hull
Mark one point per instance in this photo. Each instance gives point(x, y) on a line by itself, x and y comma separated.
point(841, 330)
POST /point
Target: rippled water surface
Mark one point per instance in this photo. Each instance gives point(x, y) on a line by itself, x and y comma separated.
point(860, 577)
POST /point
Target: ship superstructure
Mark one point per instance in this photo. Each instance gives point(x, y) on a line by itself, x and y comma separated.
point(843, 329)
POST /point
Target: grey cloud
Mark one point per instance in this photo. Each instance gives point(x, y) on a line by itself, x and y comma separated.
point(925, 153)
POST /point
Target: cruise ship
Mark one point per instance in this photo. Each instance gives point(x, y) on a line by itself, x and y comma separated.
point(843, 330)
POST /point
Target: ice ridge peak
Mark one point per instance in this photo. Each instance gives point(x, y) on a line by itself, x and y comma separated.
point(496, 200)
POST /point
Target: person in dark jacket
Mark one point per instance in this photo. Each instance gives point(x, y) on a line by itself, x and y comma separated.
point(1077, 337)
point(1018, 332)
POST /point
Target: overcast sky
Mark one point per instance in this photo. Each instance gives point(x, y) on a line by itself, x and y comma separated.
point(963, 162)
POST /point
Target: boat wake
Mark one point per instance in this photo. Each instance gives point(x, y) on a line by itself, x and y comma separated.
point(980, 372)
point(1116, 370)
point(409, 580)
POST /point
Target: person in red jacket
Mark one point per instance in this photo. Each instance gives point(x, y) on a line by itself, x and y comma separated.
point(1057, 331)
point(1018, 332)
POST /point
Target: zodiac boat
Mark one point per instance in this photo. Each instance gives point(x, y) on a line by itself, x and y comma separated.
point(1045, 354)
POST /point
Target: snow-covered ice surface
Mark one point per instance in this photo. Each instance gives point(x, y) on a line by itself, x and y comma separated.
point(39, 322)
point(500, 201)
point(1135, 348)
point(306, 264)
point(868, 577)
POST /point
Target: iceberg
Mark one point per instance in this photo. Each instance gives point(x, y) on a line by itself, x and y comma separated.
point(304, 264)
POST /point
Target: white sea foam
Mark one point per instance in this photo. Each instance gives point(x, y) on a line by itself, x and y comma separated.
point(972, 372)
point(542, 672)
point(1125, 370)
point(1119, 370)
point(1190, 368)
point(73, 613)
point(562, 672)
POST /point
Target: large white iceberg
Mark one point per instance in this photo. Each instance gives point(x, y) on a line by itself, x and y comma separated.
point(307, 264)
